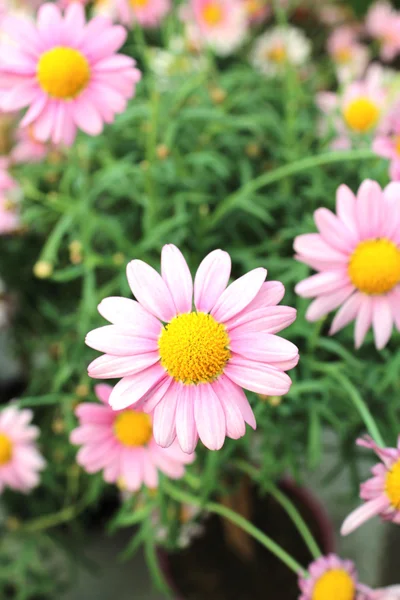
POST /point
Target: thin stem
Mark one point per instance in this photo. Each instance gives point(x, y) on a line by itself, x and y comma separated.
point(362, 409)
point(231, 201)
point(241, 522)
point(47, 521)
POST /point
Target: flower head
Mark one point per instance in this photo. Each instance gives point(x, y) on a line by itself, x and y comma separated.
point(219, 24)
point(9, 216)
point(277, 48)
point(121, 444)
point(148, 13)
point(331, 578)
point(387, 141)
point(66, 72)
point(381, 492)
point(190, 365)
point(20, 460)
point(357, 256)
point(257, 10)
point(383, 23)
point(349, 56)
point(27, 148)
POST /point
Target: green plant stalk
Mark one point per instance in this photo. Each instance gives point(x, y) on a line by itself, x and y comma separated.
point(47, 521)
point(311, 162)
point(241, 522)
point(52, 245)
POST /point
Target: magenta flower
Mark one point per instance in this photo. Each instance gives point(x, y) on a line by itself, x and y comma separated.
point(190, 366)
point(383, 23)
point(331, 578)
point(381, 492)
point(20, 460)
point(357, 256)
point(66, 72)
point(147, 13)
point(387, 141)
point(121, 444)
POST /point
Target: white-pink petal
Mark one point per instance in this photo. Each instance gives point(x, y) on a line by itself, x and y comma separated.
point(323, 283)
point(131, 315)
point(364, 513)
point(257, 377)
point(150, 290)
point(382, 321)
point(110, 367)
point(238, 295)
point(346, 208)
point(176, 274)
point(211, 279)
point(334, 231)
point(113, 340)
point(164, 418)
point(369, 207)
point(262, 347)
point(363, 319)
point(131, 390)
point(346, 313)
point(186, 430)
point(209, 417)
point(326, 303)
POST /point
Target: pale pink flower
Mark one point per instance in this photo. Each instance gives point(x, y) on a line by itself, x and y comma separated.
point(64, 3)
point(388, 593)
point(334, 14)
point(190, 365)
point(357, 256)
point(331, 577)
point(258, 10)
point(9, 216)
point(121, 444)
point(27, 149)
point(387, 141)
point(220, 24)
point(383, 23)
point(20, 460)
point(381, 492)
point(66, 72)
point(148, 13)
point(350, 57)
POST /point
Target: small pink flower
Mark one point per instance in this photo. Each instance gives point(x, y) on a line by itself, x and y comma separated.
point(332, 577)
point(20, 460)
point(383, 23)
point(381, 492)
point(148, 13)
point(27, 149)
point(258, 10)
point(220, 24)
point(190, 365)
point(9, 217)
point(121, 444)
point(387, 141)
point(350, 57)
point(357, 256)
point(66, 72)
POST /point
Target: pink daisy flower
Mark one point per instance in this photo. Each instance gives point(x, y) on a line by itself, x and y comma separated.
point(121, 444)
point(9, 217)
point(66, 72)
point(381, 492)
point(350, 57)
point(330, 577)
point(190, 365)
point(20, 460)
point(383, 23)
point(27, 148)
point(148, 13)
point(387, 141)
point(357, 256)
point(220, 24)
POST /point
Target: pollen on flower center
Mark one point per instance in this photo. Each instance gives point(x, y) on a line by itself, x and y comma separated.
point(397, 144)
point(343, 55)
point(133, 428)
point(392, 485)
point(277, 54)
point(5, 449)
point(336, 584)
point(63, 72)
point(194, 348)
point(212, 13)
point(138, 3)
point(361, 114)
point(374, 266)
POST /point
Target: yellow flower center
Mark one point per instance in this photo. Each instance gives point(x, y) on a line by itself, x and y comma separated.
point(392, 485)
point(212, 13)
point(343, 55)
point(374, 266)
point(361, 114)
point(397, 144)
point(254, 6)
point(336, 584)
point(133, 428)
point(5, 449)
point(63, 72)
point(138, 3)
point(194, 348)
point(277, 54)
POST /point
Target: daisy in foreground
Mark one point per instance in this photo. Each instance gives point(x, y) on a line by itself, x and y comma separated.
point(187, 364)
point(331, 578)
point(20, 460)
point(122, 445)
point(381, 492)
point(357, 256)
point(66, 71)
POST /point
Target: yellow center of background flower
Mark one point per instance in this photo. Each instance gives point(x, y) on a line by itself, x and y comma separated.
point(277, 54)
point(133, 428)
point(63, 72)
point(212, 13)
point(139, 3)
point(343, 55)
point(397, 144)
point(194, 348)
point(361, 114)
point(392, 485)
point(374, 266)
point(5, 449)
point(334, 585)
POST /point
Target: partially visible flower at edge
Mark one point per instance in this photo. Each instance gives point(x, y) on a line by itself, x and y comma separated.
point(383, 23)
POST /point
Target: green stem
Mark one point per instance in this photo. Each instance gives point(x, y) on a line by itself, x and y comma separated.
point(241, 522)
point(51, 247)
point(362, 409)
point(233, 200)
point(47, 521)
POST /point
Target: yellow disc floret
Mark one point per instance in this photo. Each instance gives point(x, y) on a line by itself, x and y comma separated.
point(343, 55)
point(392, 485)
point(374, 266)
point(5, 449)
point(194, 348)
point(138, 3)
point(63, 72)
point(361, 114)
point(277, 54)
point(212, 13)
point(336, 584)
point(133, 428)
